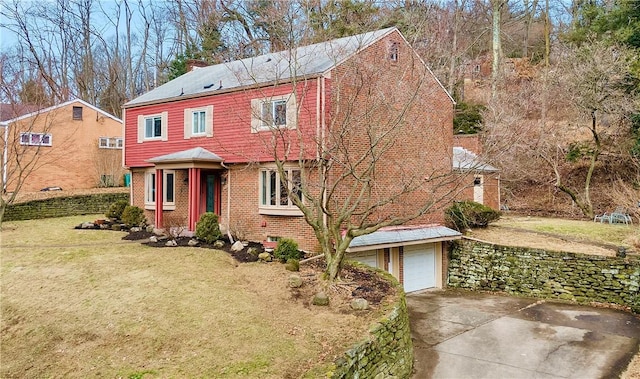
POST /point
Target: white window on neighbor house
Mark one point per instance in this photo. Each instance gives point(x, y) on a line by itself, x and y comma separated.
point(274, 197)
point(198, 122)
point(35, 139)
point(168, 186)
point(153, 127)
point(278, 112)
point(110, 143)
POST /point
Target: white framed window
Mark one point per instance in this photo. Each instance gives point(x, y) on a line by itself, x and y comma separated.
point(198, 122)
point(153, 127)
point(276, 112)
point(168, 186)
point(274, 197)
point(36, 139)
point(110, 143)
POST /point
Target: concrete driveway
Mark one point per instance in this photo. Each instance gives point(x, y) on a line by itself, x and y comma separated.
point(473, 335)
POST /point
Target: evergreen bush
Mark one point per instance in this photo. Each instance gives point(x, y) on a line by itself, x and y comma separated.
point(116, 209)
point(208, 228)
point(287, 249)
point(133, 216)
point(464, 215)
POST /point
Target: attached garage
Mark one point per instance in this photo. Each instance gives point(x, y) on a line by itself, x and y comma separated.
point(419, 263)
point(414, 255)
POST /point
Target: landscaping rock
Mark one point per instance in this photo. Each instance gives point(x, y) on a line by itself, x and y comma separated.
point(292, 265)
point(253, 251)
point(135, 229)
point(219, 244)
point(87, 225)
point(359, 304)
point(193, 242)
point(237, 246)
point(295, 281)
point(171, 243)
point(153, 239)
point(320, 299)
point(105, 226)
point(150, 229)
point(265, 257)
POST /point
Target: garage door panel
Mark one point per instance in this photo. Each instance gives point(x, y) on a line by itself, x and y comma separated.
point(367, 257)
point(419, 265)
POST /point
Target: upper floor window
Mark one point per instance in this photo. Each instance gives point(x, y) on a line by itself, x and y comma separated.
point(394, 48)
point(198, 122)
point(153, 127)
point(273, 113)
point(77, 113)
point(35, 139)
point(274, 192)
point(168, 189)
point(110, 143)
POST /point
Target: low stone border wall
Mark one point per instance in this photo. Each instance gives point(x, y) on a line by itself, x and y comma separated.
point(582, 278)
point(387, 352)
point(63, 206)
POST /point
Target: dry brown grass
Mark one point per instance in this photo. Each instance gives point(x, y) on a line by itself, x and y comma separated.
point(109, 308)
point(557, 234)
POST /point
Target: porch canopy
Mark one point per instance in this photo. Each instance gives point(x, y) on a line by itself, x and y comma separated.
point(194, 160)
point(402, 236)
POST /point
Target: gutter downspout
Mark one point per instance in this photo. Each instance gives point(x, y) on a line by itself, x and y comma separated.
point(228, 201)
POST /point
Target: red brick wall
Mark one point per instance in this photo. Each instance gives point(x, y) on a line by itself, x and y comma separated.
point(470, 142)
point(74, 160)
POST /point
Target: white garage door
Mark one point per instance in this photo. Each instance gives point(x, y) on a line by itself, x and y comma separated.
point(367, 257)
point(419, 264)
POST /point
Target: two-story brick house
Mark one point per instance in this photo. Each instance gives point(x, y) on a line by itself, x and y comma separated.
point(72, 145)
point(208, 141)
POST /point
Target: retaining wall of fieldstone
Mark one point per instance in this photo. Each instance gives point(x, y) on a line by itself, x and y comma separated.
point(63, 206)
point(387, 352)
point(522, 271)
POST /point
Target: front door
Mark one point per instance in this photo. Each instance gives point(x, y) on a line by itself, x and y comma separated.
point(210, 184)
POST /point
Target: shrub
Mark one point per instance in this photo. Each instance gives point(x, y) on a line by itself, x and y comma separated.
point(287, 249)
point(116, 209)
point(469, 214)
point(133, 216)
point(208, 228)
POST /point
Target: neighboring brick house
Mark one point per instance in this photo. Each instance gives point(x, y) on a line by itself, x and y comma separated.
point(201, 142)
point(480, 180)
point(73, 145)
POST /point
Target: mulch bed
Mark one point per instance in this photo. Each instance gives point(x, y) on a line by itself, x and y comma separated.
point(357, 282)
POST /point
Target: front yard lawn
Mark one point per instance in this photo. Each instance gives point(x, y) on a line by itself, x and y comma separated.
point(85, 303)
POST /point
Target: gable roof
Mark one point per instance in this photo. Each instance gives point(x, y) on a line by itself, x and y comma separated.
point(305, 61)
point(45, 110)
point(464, 159)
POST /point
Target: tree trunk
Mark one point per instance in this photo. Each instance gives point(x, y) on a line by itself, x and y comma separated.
point(496, 7)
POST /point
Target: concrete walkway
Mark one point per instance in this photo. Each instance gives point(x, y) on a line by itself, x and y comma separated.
point(473, 335)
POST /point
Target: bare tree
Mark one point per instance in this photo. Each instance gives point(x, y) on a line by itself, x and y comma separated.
point(370, 164)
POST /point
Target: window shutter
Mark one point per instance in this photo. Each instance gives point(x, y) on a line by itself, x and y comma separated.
point(165, 126)
point(256, 115)
point(140, 128)
point(209, 121)
point(292, 112)
point(188, 120)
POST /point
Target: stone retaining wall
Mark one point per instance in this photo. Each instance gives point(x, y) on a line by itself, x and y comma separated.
point(63, 206)
point(387, 352)
point(547, 274)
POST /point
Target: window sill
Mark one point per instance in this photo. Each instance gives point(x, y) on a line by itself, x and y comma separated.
point(152, 207)
point(280, 211)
